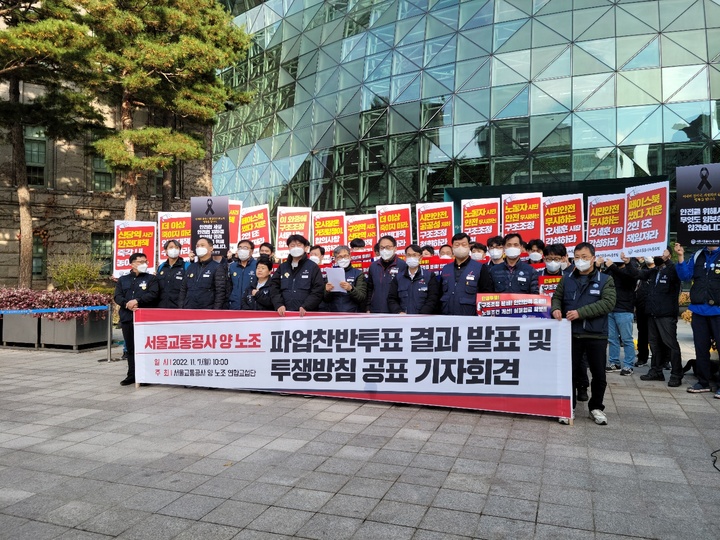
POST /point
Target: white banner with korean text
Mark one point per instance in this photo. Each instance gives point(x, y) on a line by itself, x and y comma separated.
point(487, 363)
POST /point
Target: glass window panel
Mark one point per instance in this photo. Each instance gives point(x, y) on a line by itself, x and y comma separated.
point(377, 66)
point(39, 257)
point(476, 13)
point(473, 172)
point(603, 97)
point(510, 171)
point(502, 74)
point(517, 107)
point(505, 11)
point(448, 16)
point(376, 42)
point(510, 137)
point(594, 164)
point(602, 49)
point(408, 58)
point(376, 93)
point(503, 95)
point(551, 132)
point(408, 9)
point(101, 248)
point(478, 100)
point(593, 129)
point(436, 28)
point(550, 96)
point(560, 67)
point(504, 31)
point(641, 18)
point(639, 160)
point(584, 86)
point(353, 47)
point(446, 56)
point(401, 84)
point(637, 125)
point(409, 30)
point(437, 145)
point(435, 113)
point(686, 122)
point(467, 78)
point(674, 54)
point(554, 167)
point(631, 56)
point(696, 87)
point(471, 140)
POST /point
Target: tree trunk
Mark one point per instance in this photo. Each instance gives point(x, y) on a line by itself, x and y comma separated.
point(17, 135)
point(129, 178)
point(206, 179)
point(167, 191)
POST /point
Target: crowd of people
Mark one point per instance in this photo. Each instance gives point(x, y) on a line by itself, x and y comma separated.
point(602, 298)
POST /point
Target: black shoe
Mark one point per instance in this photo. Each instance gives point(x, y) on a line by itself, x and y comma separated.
point(612, 367)
point(124, 356)
point(650, 376)
point(674, 382)
point(667, 366)
point(640, 364)
point(127, 381)
point(582, 394)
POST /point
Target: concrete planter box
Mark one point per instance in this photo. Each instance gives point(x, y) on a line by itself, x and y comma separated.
point(20, 330)
point(73, 333)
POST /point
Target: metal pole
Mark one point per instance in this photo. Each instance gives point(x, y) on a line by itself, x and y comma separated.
point(110, 333)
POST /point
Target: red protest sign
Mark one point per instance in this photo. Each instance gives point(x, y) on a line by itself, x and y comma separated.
point(606, 225)
point(255, 224)
point(646, 225)
point(563, 220)
point(174, 226)
point(481, 218)
point(394, 220)
point(522, 214)
point(435, 224)
point(133, 237)
point(363, 227)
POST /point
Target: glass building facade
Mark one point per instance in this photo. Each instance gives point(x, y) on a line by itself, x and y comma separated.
point(365, 102)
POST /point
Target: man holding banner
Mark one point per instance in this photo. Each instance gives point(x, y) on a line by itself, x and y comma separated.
point(463, 279)
point(585, 298)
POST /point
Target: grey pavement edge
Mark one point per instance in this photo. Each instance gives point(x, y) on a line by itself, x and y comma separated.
point(83, 458)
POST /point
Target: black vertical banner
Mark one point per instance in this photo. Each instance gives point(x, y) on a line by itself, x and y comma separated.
point(698, 205)
point(210, 217)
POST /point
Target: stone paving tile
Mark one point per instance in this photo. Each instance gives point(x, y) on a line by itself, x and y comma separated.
point(398, 513)
point(371, 530)
point(277, 520)
point(350, 506)
point(326, 527)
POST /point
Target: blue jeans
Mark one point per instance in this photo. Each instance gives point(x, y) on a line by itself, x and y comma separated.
point(620, 328)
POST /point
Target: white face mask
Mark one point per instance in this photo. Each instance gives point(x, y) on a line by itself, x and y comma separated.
point(461, 252)
point(343, 263)
point(535, 256)
point(297, 252)
point(583, 265)
point(496, 254)
point(142, 268)
point(477, 256)
point(412, 262)
point(243, 254)
point(387, 254)
point(201, 251)
point(173, 253)
point(233, 249)
point(553, 266)
point(512, 252)
point(314, 259)
point(445, 257)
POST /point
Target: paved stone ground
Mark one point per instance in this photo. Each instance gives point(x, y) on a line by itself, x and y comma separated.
point(83, 458)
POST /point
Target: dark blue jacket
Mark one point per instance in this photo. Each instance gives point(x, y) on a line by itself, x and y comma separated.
point(260, 300)
point(350, 302)
point(663, 290)
point(204, 286)
point(300, 287)
point(141, 287)
point(704, 270)
point(380, 275)
point(240, 278)
point(460, 286)
point(170, 280)
point(523, 279)
point(414, 295)
point(593, 298)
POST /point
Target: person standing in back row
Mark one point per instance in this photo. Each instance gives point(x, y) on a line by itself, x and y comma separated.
point(381, 273)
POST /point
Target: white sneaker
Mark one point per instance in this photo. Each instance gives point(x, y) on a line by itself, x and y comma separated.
point(599, 417)
point(564, 421)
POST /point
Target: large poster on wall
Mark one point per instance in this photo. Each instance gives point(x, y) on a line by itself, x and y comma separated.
point(698, 205)
point(519, 365)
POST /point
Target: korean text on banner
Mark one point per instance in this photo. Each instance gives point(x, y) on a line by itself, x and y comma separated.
point(210, 219)
point(513, 305)
point(394, 220)
point(481, 218)
point(255, 225)
point(363, 227)
point(606, 225)
point(435, 223)
point(328, 230)
point(133, 237)
point(563, 217)
point(519, 365)
point(646, 223)
point(174, 226)
point(698, 204)
point(291, 221)
point(235, 208)
point(523, 214)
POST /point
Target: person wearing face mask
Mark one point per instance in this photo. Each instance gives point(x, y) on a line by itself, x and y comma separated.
point(513, 275)
point(298, 284)
point(206, 283)
point(462, 279)
point(355, 286)
point(445, 252)
point(620, 320)
point(381, 273)
point(257, 295)
point(703, 268)
point(536, 248)
point(416, 290)
point(661, 306)
point(316, 254)
point(170, 275)
point(478, 251)
point(495, 250)
point(267, 250)
point(585, 298)
point(241, 273)
point(138, 289)
point(553, 256)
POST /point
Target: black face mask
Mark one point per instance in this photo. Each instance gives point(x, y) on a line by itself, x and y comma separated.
point(659, 261)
